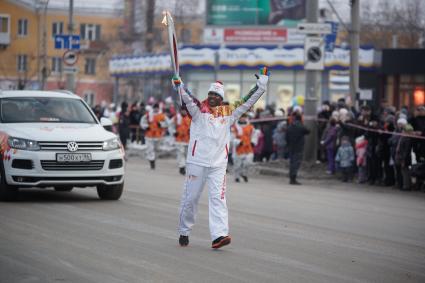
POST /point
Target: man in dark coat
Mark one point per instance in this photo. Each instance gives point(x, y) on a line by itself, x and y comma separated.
point(295, 143)
point(124, 124)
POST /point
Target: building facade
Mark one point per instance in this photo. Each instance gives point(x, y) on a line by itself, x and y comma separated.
point(29, 59)
point(235, 66)
point(402, 77)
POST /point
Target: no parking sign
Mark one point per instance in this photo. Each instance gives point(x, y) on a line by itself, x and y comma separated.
point(70, 57)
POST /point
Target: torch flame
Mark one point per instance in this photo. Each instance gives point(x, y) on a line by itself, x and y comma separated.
point(164, 20)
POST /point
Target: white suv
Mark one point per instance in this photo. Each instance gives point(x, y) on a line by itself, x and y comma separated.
point(53, 139)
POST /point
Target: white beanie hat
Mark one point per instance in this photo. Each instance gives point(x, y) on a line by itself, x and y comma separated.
point(217, 88)
point(343, 112)
point(402, 121)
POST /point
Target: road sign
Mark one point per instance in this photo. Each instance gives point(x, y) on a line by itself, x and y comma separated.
point(314, 53)
point(366, 94)
point(314, 28)
point(331, 38)
point(70, 70)
point(67, 41)
point(70, 57)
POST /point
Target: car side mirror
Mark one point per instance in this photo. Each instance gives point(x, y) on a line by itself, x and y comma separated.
point(105, 122)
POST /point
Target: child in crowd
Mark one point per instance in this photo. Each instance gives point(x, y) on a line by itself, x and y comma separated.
point(345, 158)
point(361, 147)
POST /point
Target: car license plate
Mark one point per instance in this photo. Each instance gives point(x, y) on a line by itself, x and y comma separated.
point(73, 157)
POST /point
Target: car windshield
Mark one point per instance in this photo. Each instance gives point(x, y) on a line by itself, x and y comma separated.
point(44, 109)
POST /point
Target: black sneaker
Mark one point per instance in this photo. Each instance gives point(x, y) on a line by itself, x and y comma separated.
point(184, 241)
point(237, 180)
point(221, 241)
point(245, 178)
point(182, 171)
point(152, 163)
point(294, 182)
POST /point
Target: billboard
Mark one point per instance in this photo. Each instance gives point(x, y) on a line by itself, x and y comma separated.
point(255, 12)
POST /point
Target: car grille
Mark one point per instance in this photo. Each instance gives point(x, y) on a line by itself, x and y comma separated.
point(52, 165)
point(88, 146)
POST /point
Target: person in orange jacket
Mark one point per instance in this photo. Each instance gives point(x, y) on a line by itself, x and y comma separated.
point(154, 122)
point(245, 137)
point(181, 123)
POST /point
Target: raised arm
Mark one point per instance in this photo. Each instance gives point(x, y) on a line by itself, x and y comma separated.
point(252, 97)
point(191, 103)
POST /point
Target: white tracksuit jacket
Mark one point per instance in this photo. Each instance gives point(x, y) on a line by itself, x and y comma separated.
point(207, 161)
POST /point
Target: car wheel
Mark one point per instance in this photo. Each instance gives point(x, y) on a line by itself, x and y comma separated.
point(7, 192)
point(63, 188)
point(112, 192)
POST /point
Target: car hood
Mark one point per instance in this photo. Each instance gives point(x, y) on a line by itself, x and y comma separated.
point(57, 131)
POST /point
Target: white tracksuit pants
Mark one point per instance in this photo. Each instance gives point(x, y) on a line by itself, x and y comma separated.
point(196, 177)
point(152, 148)
point(181, 154)
point(241, 163)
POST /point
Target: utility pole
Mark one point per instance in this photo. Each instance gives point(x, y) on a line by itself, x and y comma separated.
point(310, 105)
point(70, 77)
point(150, 17)
point(44, 46)
point(148, 40)
point(354, 51)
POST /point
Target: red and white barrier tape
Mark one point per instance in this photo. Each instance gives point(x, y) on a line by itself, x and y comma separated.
point(379, 131)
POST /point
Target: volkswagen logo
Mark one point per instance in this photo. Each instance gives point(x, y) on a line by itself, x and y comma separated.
point(72, 146)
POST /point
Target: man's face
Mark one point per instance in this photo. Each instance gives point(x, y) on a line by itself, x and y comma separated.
point(214, 99)
point(243, 120)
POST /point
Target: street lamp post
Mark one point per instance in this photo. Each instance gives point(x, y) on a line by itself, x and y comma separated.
point(42, 72)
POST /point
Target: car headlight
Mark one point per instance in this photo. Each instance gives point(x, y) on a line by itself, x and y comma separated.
point(111, 144)
point(24, 144)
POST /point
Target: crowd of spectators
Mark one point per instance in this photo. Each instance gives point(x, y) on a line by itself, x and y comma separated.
point(384, 146)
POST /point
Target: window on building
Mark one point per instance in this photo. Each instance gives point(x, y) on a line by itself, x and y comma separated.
point(57, 28)
point(22, 63)
point(4, 24)
point(89, 98)
point(57, 65)
point(90, 32)
point(419, 97)
point(22, 27)
point(90, 66)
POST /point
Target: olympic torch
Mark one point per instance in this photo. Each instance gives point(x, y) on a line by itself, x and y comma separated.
point(172, 40)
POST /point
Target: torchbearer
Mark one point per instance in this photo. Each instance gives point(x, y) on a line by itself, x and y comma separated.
point(207, 156)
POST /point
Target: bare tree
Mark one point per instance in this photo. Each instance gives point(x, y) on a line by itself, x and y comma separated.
point(389, 21)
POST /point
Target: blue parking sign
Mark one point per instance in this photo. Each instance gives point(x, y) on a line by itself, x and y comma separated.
point(331, 38)
point(67, 41)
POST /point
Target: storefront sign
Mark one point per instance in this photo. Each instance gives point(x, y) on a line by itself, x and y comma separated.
point(245, 35)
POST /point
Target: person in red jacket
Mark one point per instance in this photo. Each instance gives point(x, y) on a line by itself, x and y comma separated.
point(244, 142)
point(155, 123)
point(182, 134)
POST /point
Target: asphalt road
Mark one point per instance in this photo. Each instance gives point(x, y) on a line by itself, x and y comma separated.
point(318, 232)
